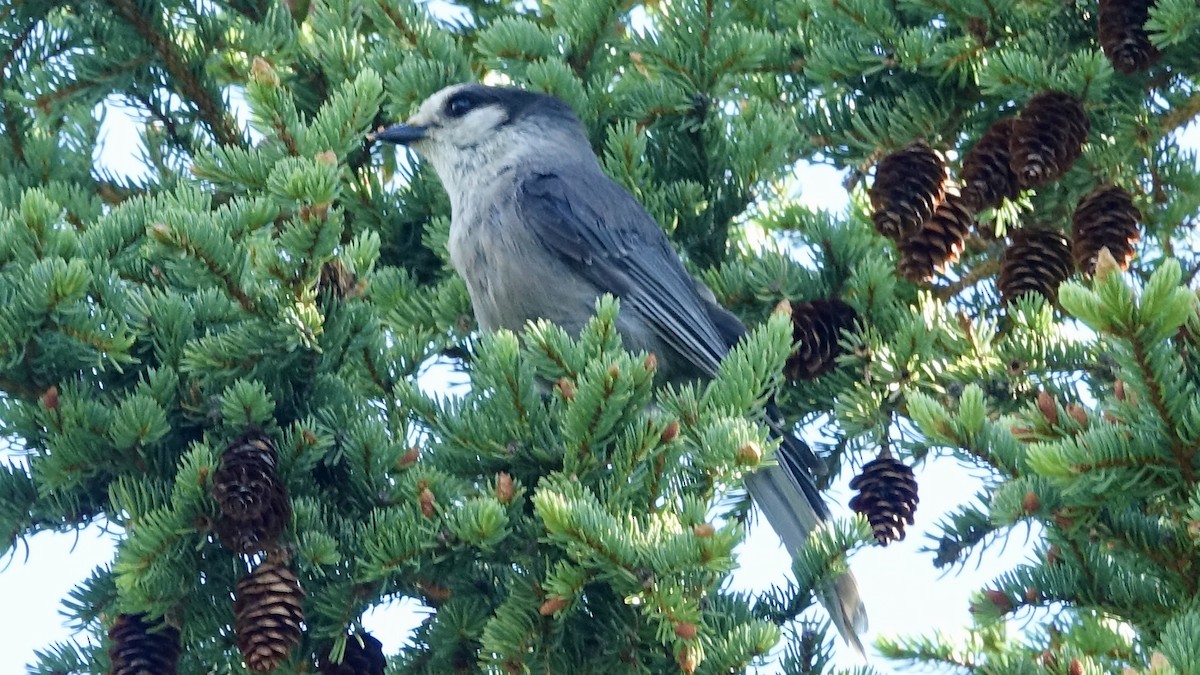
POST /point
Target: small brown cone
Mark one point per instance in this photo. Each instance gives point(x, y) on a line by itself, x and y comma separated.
point(553, 605)
point(689, 659)
point(254, 502)
point(336, 279)
point(1104, 218)
point(987, 174)
point(1047, 138)
point(887, 496)
point(1123, 37)
point(817, 327)
point(363, 656)
point(909, 184)
point(141, 648)
point(268, 611)
point(938, 242)
point(1037, 261)
point(1048, 408)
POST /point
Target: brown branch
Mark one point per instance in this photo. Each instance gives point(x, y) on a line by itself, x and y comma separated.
point(1180, 115)
point(212, 112)
point(976, 274)
point(46, 101)
point(112, 194)
point(11, 121)
point(1158, 398)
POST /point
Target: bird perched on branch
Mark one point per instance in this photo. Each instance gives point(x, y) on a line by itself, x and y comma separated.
point(538, 231)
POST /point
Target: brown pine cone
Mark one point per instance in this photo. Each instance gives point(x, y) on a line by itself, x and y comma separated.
point(939, 242)
point(139, 647)
point(909, 184)
point(1104, 218)
point(254, 502)
point(1047, 138)
point(817, 328)
point(363, 656)
point(987, 174)
point(887, 496)
point(336, 279)
point(1037, 261)
point(1123, 36)
point(268, 611)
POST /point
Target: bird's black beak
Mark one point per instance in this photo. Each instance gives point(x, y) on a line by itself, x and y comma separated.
point(402, 134)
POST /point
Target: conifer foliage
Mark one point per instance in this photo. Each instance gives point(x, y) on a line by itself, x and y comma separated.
point(226, 351)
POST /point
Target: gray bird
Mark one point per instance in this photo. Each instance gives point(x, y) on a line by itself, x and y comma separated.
point(538, 231)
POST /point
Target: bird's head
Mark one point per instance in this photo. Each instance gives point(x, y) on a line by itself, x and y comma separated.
point(464, 129)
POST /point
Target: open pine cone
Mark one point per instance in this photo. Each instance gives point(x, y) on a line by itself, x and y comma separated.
point(909, 184)
point(268, 611)
point(938, 242)
point(141, 648)
point(254, 502)
point(1104, 218)
point(887, 496)
point(987, 174)
point(363, 656)
point(1123, 36)
point(1037, 261)
point(1047, 138)
point(817, 326)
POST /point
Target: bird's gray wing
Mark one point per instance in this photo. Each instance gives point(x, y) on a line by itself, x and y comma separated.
point(600, 231)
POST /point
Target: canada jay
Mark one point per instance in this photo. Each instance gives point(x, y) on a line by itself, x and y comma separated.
point(538, 231)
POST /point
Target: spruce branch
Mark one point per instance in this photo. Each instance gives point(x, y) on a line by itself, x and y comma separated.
point(185, 79)
point(1180, 450)
point(46, 102)
point(12, 122)
point(164, 118)
point(1180, 114)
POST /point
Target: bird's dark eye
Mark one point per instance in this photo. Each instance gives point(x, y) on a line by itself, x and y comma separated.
point(459, 105)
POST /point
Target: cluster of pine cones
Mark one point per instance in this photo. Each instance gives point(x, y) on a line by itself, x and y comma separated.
point(268, 602)
point(916, 206)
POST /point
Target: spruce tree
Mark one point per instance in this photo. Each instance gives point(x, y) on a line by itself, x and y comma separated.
point(220, 360)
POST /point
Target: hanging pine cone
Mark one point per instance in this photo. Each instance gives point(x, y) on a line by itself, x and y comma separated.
point(1037, 261)
point(1123, 35)
point(1047, 138)
point(267, 614)
point(887, 496)
point(336, 279)
point(1104, 218)
point(254, 503)
point(141, 648)
point(817, 326)
point(909, 184)
point(360, 658)
point(937, 243)
point(987, 174)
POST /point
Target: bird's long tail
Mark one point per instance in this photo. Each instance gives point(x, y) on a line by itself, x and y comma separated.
point(788, 497)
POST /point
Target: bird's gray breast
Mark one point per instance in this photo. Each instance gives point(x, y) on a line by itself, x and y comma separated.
point(511, 277)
